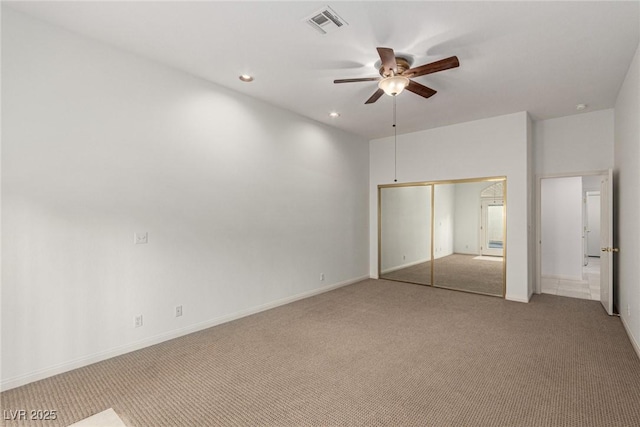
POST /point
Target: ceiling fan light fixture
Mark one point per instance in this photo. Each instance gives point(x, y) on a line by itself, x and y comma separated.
point(396, 73)
point(393, 85)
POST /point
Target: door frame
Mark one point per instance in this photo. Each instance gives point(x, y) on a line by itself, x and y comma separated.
point(588, 194)
point(607, 244)
point(539, 178)
point(484, 218)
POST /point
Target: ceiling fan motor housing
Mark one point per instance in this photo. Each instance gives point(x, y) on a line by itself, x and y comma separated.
point(402, 65)
point(397, 75)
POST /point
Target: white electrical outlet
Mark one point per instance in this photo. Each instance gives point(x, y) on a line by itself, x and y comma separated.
point(141, 238)
point(322, 277)
point(138, 321)
point(178, 311)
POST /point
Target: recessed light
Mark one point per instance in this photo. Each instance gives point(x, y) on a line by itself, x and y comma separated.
point(334, 114)
point(246, 78)
point(581, 107)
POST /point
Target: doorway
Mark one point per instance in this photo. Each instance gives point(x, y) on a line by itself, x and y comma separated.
point(569, 230)
point(592, 223)
point(492, 229)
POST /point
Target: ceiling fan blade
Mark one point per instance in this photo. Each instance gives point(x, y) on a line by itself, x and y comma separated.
point(421, 90)
point(388, 58)
point(364, 79)
point(375, 96)
point(434, 67)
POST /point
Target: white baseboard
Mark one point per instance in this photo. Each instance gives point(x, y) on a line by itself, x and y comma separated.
point(411, 264)
point(400, 267)
point(117, 351)
point(517, 299)
point(634, 343)
point(442, 255)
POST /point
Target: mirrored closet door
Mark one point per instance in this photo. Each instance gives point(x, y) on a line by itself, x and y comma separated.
point(405, 233)
point(449, 234)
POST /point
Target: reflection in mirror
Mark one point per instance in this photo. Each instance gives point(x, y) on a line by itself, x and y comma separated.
point(457, 243)
point(405, 234)
point(469, 237)
point(492, 217)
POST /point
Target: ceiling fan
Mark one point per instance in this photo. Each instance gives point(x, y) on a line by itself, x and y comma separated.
point(396, 75)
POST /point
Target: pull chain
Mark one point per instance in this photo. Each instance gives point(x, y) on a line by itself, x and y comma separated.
point(395, 143)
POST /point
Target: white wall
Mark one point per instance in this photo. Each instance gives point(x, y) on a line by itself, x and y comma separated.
point(406, 227)
point(591, 192)
point(467, 217)
point(245, 204)
point(444, 215)
point(627, 184)
point(593, 224)
point(489, 147)
point(578, 143)
point(531, 213)
point(561, 220)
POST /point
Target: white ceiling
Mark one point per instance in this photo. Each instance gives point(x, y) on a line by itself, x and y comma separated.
point(542, 57)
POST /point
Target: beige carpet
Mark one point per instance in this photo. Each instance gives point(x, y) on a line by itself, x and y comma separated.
point(457, 271)
point(107, 418)
point(376, 353)
point(489, 258)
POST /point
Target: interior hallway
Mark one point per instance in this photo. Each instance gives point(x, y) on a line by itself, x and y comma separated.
point(588, 288)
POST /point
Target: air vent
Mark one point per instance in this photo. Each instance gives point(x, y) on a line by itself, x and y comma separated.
point(326, 20)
